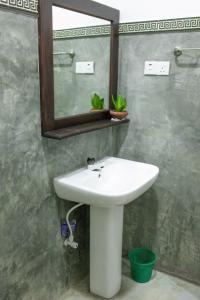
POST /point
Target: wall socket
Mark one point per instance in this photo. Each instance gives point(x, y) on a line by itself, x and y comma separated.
point(159, 68)
point(85, 67)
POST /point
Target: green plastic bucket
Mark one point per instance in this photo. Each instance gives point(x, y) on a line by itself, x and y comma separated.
point(142, 263)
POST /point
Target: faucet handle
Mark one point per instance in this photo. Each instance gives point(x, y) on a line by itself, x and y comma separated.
point(90, 160)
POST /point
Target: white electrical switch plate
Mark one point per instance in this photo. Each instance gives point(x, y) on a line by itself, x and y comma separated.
point(156, 68)
point(85, 67)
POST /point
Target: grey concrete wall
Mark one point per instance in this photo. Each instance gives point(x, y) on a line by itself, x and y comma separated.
point(33, 263)
point(73, 91)
point(164, 130)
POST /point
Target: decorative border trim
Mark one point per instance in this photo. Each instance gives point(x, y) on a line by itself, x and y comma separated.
point(130, 28)
point(160, 25)
point(25, 5)
point(81, 32)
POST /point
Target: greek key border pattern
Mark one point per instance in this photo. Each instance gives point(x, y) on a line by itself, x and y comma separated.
point(82, 32)
point(25, 5)
point(160, 25)
point(130, 28)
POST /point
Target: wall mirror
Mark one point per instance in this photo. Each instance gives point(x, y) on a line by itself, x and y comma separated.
point(81, 61)
point(78, 45)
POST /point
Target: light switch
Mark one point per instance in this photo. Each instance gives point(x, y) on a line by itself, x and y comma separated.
point(157, 68)
point(85, 67)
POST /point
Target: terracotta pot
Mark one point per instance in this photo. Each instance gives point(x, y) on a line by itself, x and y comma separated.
point(118, 114)
point(95, 110)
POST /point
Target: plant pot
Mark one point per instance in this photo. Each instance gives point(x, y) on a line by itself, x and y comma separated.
point(120, 115)
point(95, 110)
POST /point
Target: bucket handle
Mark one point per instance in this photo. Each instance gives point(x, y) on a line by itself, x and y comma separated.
point(133, 259)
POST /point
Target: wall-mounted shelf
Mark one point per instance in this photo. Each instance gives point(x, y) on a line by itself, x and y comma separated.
point(62, 133)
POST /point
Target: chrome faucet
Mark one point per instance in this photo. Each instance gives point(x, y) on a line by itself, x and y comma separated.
point(90, 162)
point(94, 167)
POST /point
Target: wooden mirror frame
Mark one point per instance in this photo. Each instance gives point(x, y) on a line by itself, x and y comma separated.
point(68, 126)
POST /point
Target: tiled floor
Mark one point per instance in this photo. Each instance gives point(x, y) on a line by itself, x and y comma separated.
point(161, 287)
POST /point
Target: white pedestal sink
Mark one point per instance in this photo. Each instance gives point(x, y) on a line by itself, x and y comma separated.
point(121, 182)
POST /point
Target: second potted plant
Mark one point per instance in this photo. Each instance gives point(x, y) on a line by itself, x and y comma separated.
point(120, 108)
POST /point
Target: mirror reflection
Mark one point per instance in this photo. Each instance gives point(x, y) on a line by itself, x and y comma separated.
point(81, 57)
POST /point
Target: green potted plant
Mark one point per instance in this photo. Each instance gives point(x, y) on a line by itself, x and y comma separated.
point(119, 111)
point(97, 102)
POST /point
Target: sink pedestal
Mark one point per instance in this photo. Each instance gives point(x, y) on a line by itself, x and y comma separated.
point(106, 225)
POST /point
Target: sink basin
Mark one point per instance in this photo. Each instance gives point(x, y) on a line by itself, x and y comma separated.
point(106, 191)
point(121, 182)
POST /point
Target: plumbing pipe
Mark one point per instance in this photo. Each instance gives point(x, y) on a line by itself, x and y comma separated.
point(70, 241)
